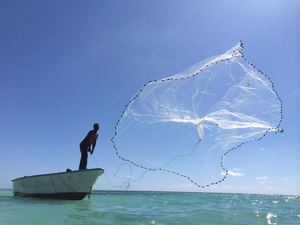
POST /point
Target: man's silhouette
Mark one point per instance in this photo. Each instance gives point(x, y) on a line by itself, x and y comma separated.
point(88, 145)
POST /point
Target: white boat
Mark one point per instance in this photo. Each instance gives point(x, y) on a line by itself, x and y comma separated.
point(72, 185)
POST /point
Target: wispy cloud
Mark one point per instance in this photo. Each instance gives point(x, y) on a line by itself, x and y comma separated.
point(262, 178)
point(235, 173)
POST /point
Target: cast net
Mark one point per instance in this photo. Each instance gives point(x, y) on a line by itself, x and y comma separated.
point(187, 123)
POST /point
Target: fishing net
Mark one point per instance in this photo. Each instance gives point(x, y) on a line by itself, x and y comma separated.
point(187, 123)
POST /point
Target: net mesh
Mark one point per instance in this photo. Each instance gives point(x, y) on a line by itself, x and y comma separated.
point(187, 123)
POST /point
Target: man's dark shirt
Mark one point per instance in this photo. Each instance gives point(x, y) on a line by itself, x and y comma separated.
point(90, 139)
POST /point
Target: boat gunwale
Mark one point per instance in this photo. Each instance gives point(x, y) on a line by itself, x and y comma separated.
point(66, 172)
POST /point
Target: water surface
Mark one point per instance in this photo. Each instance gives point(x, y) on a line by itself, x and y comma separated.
point(116, 207)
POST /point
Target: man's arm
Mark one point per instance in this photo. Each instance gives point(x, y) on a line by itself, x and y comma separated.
point(94, 144)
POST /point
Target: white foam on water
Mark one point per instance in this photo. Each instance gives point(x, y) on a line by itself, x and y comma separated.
point(257, 213)
point(270, 217)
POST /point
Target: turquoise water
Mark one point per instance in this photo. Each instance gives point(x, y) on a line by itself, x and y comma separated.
point(108, 207)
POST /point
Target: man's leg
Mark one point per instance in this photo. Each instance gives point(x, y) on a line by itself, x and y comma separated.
point(83, 160)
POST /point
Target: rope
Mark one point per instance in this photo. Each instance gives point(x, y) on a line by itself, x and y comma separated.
point(125, 185)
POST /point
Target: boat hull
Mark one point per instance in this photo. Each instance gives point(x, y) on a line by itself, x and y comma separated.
point(64, 196)
point(73, 185)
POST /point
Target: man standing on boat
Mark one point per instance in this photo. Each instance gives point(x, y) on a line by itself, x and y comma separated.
point(88, 145)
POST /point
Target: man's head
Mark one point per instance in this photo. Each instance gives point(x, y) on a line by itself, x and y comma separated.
point(96, 126)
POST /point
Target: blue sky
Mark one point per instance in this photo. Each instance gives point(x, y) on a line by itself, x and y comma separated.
point(66, 64)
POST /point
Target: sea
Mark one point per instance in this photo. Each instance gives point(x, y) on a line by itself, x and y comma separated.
point(138, 207)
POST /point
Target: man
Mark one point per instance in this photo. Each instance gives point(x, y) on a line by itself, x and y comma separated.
point(88, 145)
